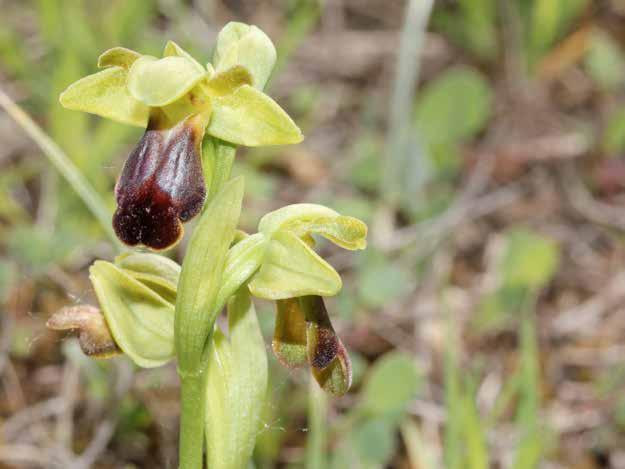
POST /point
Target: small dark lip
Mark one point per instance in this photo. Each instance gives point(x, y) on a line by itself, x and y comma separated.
point(161, 185)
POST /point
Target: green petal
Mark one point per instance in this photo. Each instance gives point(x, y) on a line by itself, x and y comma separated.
point(273, 221)
point(291, 269)
point(157, 272)
point(105, 94)
point(289, 338)
point(174, 50)
point(158, 82)
point(118, 57)
point(226, 82)
point(251, 118)
point(242, 44)
point(140, 320)
point(236, 389)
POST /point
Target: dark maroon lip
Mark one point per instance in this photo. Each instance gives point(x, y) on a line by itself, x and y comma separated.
point(161, 186)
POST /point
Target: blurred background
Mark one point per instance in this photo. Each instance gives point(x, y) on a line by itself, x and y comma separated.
point(483, 141)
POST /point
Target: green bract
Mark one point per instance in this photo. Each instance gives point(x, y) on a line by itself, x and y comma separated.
point(237, 374)
point(140, 319)
point(132, 84)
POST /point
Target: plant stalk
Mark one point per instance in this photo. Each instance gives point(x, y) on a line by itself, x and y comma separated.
point(192, 410)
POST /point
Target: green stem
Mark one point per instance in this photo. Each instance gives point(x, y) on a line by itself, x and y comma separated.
point(317, 411)
point(218, 158)
point(63, 164)
point(192, 401)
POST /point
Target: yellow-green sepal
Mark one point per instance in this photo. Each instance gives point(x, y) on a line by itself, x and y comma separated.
point(118, 57)
point(158, 82)
point(105, 94)
point(249, 117)
point(291, 269)
point(174, 50)
point(140, 320)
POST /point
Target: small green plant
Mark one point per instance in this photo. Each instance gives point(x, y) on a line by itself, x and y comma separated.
point(154, 310)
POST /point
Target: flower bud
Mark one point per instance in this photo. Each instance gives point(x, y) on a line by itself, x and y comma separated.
point(87, 321)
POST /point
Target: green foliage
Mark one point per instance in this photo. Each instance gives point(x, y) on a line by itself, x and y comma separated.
point(392, 383)
point(472, 27)
point(382, 282)
point(613, 139)
point(605, 61)
point(237, 384)
point(453, 108)
point(529, 260)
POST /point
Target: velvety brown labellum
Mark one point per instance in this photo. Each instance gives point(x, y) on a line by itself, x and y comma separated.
point(323, 343)
point(94, 335)
point(161, 185)
point(328, 358)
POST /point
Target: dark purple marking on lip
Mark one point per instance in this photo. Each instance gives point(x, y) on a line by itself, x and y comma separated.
point(161, 185)
point(323, 342)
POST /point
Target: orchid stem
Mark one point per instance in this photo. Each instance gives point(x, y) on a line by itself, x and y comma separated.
point(63, 164)
point(192, 399)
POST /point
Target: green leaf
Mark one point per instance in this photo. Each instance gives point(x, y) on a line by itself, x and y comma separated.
point(158, 82)
point(382, 282)
point(529, 261)
point(105, 94)
point(242, 44)
point(454, 107)
point(291, 269)
point(201, 275)
point(140, 320)
point(251, 118)
point(392, 383)
point(243, 259)
point(373, 442)
point(613, 140)
point(605, 61)
point(237, 384)
point(118, 57)
point(174, 50)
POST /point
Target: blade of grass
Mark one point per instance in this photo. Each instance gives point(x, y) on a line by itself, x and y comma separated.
point(530, 445)
point(63, 164)
point(400, 128)
point(421, 456)
point(316, 441)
